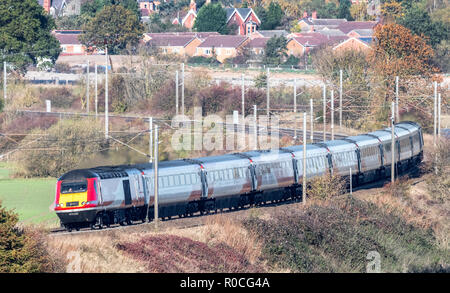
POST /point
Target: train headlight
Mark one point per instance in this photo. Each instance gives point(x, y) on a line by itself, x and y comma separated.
point(83, 203)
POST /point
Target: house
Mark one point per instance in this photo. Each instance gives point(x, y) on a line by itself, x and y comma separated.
point(353, 44)
point(244, 20)
point(258, 46)
point(361, 33)
point(301, 43)
point(356, 25)
point(57, 8)
point(147, 7)
point(70, 44)
point(221, 47)
point(173, 44)
point(187, 19)
point(310, 24)
point(200, 35)
point(268, 33)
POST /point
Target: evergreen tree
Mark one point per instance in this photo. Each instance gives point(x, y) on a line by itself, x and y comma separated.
point(114, 25)
point(344, 10)
point(25, 34)
point(276, 50)
point(211, 18)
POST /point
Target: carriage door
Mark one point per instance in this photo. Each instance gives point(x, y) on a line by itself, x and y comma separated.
point(127, 192)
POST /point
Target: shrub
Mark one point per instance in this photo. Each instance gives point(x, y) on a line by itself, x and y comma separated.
point(64, 146)
point(326, 186)
point(202, 60)
point(61, 97)
point(400, 188)
point(23, 251)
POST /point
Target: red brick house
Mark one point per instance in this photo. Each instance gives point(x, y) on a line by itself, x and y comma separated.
point(245, 19)
point(187, 19)
point(70, 45)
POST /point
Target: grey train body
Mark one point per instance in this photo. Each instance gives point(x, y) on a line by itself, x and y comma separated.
point(202, 185)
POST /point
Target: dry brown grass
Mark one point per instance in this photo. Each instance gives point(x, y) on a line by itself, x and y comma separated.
point(225, 229)
point(98, 251)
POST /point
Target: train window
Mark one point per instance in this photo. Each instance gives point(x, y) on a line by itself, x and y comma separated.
point(160, 182)
point(74, 187)
point(171, 180)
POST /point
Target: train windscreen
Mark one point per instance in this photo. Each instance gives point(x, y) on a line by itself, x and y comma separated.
point(73, 187)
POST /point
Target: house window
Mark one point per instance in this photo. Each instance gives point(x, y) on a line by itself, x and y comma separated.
point(207, 51)
point(228, 52)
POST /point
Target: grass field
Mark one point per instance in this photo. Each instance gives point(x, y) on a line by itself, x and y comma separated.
point(30, 198)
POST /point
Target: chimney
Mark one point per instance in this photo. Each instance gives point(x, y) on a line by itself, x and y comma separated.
point(47, 4)
point(305, 14)
point(314, 14)
point(193, 6)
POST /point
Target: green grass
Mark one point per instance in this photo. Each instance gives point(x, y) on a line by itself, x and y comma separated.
point(31, 199)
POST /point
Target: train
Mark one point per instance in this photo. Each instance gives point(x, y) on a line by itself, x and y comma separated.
point(103, 196)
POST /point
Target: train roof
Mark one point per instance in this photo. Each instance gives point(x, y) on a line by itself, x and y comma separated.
point(399, 131)
point(228, 159)
point(363, 140)
point(411, 126)
point(339, 145)
point(310, 149)
point(383, 135)
point(264, 155)
point(77, 175)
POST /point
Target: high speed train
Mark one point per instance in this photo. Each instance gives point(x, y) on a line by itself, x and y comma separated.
point(122, 194)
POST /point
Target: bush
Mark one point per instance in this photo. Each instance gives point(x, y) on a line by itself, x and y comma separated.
point(326, 187)
point(61, 97)
point(203, 60)
point(23, 251)
point(64, 146)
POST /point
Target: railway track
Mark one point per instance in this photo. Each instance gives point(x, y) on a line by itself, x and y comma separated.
point(197, 220)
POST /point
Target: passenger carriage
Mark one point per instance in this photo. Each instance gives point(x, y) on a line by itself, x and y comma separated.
point(122, 194)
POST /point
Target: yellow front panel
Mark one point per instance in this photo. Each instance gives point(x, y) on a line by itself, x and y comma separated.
point(72, 197)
